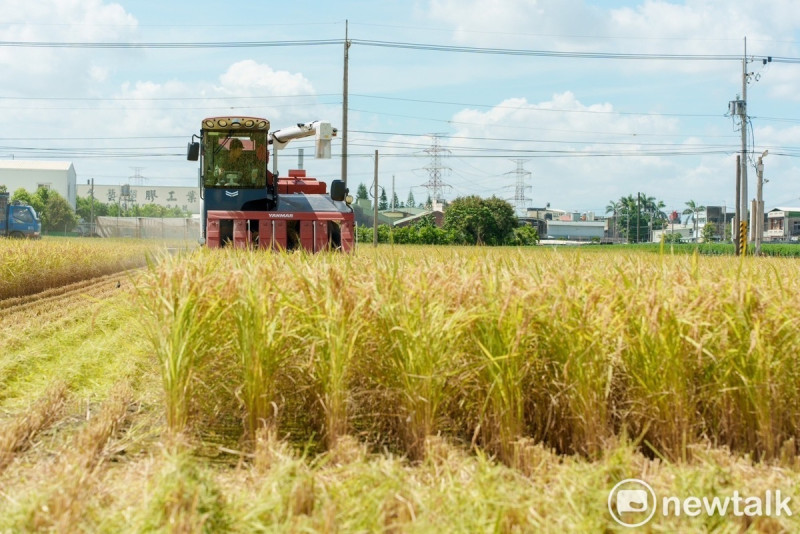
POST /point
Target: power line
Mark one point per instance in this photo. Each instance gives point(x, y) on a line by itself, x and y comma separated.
point(549, 53)
point(167, 45)
point(389, 44)
point(163, 98)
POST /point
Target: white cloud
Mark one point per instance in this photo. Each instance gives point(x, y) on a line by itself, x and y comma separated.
point(248, 77)
point(580, 155)
point(652, 26)
point(516, 22)
point(28, 71)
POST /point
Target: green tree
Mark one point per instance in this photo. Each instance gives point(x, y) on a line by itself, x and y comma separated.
point(627, 208)
point(22, 196)
point(525, 235)
point(57, 214)
point(613, 207)
point(383, 204)
point(3, 188)
point(478, 221)
point(83, 208)
point(410, 202)
point(638, 215)
point(396, 201)
point(362, 192)
point(708, 232)
point(505, 218)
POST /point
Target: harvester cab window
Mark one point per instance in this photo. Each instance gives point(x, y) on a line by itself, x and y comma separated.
point(235, 159)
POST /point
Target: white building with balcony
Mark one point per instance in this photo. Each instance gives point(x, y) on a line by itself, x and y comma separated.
point(783, 224)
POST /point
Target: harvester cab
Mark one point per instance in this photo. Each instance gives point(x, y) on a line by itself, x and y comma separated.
point(246, 205)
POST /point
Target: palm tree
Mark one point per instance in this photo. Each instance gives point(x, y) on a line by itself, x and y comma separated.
point(612, 207)
point(658, 210)
point(653, 208)
point(627, 205)
point(694, 209)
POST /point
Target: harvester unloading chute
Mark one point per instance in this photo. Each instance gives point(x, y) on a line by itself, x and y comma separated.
point(322, 130)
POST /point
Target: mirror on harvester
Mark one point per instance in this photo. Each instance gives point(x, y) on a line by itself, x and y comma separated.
point(193, 151)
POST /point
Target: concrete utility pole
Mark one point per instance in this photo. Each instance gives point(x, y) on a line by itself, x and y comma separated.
point(743, 115)
point(759, 226)
point(91, 211)
point(375, 212)
point(344, 104)
point(737, 213)
point(638, 212)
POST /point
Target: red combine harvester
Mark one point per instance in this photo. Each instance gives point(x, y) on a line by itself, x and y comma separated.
point(246, 205)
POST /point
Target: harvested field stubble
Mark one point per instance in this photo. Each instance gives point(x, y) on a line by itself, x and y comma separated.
point(574, 350)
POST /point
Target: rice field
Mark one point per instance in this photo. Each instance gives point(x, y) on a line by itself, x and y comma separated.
point(28, 267)
point(406, 390)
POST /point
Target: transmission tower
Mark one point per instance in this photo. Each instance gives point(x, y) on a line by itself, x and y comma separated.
point(137, 178)
point(435, 185)
point(520, 202)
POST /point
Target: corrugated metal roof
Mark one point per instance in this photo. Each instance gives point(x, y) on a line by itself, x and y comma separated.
point(31, 165)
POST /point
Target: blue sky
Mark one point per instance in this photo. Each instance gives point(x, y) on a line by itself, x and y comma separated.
point(588, 129)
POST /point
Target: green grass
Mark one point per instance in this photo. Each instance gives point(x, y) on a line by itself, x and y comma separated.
point(786, 250)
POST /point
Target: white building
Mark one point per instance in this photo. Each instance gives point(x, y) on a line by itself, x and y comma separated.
point(685, 231)
point(185, 198)
point(575, 230)
point(58, 176)
point(783, 224)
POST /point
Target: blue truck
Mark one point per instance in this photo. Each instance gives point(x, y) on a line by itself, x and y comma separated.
point(18, 220)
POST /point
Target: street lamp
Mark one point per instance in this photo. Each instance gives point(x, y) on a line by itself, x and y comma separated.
point(759, 226)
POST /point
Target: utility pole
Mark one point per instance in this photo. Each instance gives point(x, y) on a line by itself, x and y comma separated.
point(737, 213)
point(91, 210)
point(743, 116)
point(759, 222)
point(375, 212)
point(638, 212)
point(344, 103)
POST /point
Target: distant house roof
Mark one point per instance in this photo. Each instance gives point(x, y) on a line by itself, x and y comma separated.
point(785, 209)
point(412, 218)
point(404, 212)
point(585, 224)
point(31, 165)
